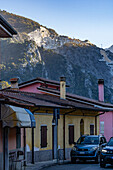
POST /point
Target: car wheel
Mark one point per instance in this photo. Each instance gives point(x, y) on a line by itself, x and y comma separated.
point(73, 160)
point(102, 165)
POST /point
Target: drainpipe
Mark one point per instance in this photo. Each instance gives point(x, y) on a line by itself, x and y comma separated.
point(55, 137)
point(33, 152)
point(24, 146)
point(33, 161)
point(5, 149)
point(64, 137)
point(101, 98)
point(63, 96)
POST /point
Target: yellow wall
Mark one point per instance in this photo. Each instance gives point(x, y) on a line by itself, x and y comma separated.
point(40, 120)
point(47, 120)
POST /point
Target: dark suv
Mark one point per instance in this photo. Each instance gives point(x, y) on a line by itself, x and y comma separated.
point(106, 154)
point(87, 148)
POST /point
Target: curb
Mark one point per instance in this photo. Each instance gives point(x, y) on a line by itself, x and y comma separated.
point(54, 164)
point(42, 165)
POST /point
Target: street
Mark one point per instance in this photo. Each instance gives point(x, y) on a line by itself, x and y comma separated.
point(78, 166)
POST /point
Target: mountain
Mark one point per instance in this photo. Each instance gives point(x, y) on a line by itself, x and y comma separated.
point(38, 51)
point(110, 49)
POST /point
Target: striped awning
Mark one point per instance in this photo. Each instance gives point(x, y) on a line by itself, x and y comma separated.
point(13, 116)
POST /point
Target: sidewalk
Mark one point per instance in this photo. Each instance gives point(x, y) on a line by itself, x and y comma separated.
point(41, 165)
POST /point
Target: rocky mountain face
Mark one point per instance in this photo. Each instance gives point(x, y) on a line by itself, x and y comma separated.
point(110, 49)
point(40, 52)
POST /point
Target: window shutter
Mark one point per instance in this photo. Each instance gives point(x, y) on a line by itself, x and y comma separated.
point(43, 136)
point(71, 134)
point(91, 129)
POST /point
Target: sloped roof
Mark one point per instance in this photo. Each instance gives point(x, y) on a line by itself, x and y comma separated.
point(26, 99)
point(42, 80)
point(6, 30)
point(76, 98)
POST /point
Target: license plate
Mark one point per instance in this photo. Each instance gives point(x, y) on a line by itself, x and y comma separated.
point(82, 152)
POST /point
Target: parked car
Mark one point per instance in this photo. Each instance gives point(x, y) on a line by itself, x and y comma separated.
point(87, 148)
point(106, 154)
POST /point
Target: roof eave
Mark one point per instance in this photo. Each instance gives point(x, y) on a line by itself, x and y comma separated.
point(7, 26)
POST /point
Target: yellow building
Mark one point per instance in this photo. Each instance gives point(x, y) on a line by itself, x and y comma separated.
point(78, 115)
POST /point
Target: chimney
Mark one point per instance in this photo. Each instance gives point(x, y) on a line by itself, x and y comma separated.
point(101, 90)
point(14, 83)
point(62, 87)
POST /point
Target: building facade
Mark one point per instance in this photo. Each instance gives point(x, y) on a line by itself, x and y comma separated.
point(76, 123)
point(106, 119)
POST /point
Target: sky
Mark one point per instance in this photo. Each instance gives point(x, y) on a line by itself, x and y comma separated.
point(80, 19)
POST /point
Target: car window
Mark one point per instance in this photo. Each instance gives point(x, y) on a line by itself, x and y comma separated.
point(81, 140)
point(110, 143)
point(91, 140)
point(102, 140)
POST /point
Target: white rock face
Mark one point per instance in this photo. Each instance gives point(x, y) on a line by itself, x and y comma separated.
point(44, 38)
point(109, 62)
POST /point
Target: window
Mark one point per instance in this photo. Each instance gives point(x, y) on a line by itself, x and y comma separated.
point(43, 136)
point(91, 129)
point(101, 127)
point(71, 134)
point(18, 137)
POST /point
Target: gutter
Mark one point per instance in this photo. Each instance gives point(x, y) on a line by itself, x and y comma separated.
point(107, 108)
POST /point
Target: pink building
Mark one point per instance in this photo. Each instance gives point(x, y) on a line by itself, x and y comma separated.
point(106, 119)
point(34, 84)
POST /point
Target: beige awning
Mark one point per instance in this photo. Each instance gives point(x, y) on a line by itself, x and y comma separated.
point(12, 116)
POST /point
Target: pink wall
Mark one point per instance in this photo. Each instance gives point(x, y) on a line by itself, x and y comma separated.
point(12, 138)
point(33, 87)
point(107, 117)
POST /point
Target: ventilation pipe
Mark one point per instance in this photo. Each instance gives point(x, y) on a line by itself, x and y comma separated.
point(101, 90)
point(14, 83)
